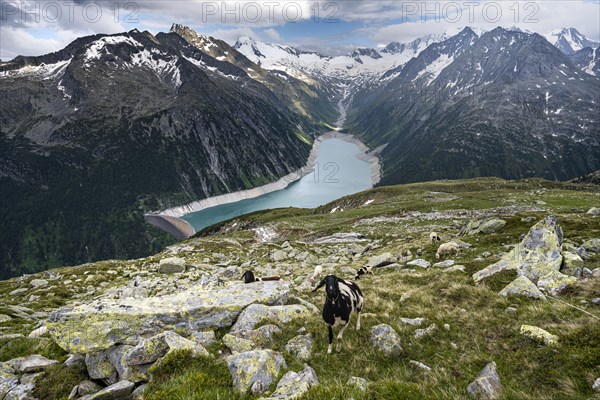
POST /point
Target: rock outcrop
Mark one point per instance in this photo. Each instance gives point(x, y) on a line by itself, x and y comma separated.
point(101, 324)
point(538, 254)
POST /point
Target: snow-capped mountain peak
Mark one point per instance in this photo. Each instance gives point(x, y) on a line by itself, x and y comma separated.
point(569, 40)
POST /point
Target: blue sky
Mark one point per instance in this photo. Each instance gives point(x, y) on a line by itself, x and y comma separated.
point(39, 27)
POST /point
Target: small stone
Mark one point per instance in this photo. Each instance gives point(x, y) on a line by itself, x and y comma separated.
point(301, 346)
point(538, 334)
point(420, 365)
point(293, 385)
point(455, 268)
point(444, 264)
point(419, 262)
point(413, 321)
point(596, 301)
point(39, 332)
point(37, 283)
point(171, 265)
point(511, 310)
point(385, 339)
point(522, 286)
point(593, 211)
point(35, 363)
point(419, 333)
point(4, 318)
point(487, 385)
point(596, 385)
point(360, 383)
point(119, 390)
point(447, 327)
point(381, 260)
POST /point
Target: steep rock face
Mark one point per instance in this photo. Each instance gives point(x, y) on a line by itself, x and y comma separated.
point(84, 128)
point(506, 104)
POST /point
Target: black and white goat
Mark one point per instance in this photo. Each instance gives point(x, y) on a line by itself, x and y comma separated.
point(249, 277)
point(342, 299)
point(363, 271)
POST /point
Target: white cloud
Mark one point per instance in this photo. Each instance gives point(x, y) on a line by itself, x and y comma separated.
point(273, 34)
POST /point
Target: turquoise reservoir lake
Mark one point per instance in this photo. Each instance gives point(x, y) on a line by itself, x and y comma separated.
point(337, 173)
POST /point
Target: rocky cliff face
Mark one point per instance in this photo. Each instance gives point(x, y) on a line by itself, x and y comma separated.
point(116, 122)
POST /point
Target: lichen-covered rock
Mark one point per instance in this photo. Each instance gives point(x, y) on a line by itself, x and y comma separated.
point(596, 385)
point(486, 226)
point(593, 211)
point(7, 383)
point(4, 318)
point(260, 336)
point(100, 367)
point(385, 339)
point(246, 368)
point(204, 338)
point(101, 324)
point(257, 313)
point(360, 383)
point(571, 263)
point(487, 385)
point(523, 286)
point(419, 262)
point(237, 344)
point(125, 371)
point(555, 283)
point(35, 363)
point(301, 346)
point(151, 349)
point(539, 335)
point(118, 391)
point(592, 245)
point(536, 255)
point(21, 392)
point(295, 384)
point(381, 260)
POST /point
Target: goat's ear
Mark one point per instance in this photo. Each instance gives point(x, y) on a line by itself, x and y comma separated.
point(320, 285)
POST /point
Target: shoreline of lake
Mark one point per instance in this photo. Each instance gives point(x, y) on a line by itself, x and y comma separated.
point(170, 219)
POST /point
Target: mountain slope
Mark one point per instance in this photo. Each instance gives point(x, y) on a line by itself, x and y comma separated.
point(499, 105)
point(587, 60)
point(113, 125)
point(570, 40)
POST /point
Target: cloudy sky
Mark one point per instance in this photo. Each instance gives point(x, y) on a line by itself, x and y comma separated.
point(331, 27)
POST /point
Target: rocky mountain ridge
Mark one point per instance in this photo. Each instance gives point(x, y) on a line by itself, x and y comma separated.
point(85, 128)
